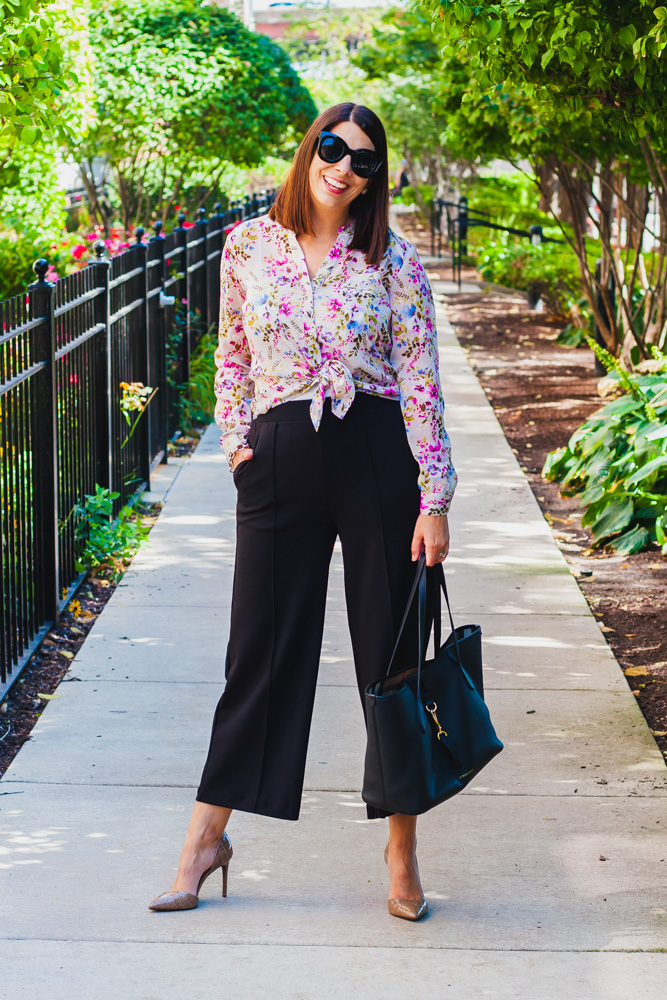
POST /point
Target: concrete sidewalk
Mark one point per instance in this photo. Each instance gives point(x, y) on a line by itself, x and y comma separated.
point(94, 808)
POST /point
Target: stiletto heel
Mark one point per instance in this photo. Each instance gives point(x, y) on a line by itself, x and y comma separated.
point(187, 900)
point(407, 909)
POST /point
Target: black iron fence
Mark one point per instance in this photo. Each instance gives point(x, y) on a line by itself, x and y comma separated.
point(453, 219)
point(65, 349)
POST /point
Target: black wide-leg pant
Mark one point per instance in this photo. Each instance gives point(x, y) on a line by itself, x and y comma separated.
point(354, 478)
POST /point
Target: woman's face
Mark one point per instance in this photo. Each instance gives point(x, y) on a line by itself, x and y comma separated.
point(335, 185)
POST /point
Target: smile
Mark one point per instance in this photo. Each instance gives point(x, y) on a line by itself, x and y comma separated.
point(334, 186)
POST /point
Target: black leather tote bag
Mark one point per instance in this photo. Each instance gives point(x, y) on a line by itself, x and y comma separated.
point(429, 730)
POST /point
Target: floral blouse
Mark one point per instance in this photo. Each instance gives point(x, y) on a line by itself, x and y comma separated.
point(353, 328)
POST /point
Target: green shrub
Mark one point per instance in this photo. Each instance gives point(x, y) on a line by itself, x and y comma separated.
point(616, 462)
point(101, 540)
point(508, 201)
point(17, 256)
point(197, 398)
point(408, 196)
point(551, 269)
point(65, 251)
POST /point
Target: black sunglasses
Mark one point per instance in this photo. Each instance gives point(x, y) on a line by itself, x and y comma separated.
point(331, 148)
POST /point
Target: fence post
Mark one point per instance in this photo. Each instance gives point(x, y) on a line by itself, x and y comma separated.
point(103, 390)
point(533, 293)
point(439, 228)
point(454, 235)
point(141, 252)
point(218, 247)
point(41, 303)
point(181, 238)
point(463, 227)
point(158, 366)
point(202, 233)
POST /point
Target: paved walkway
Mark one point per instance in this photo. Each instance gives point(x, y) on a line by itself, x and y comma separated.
point(93, 810)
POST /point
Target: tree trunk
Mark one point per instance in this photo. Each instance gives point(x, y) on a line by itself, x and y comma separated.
point(546, 182)
point(635, 213)
point(574, 196)
point(414, 180)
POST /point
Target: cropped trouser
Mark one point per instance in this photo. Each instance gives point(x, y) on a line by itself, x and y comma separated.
point(354, 478)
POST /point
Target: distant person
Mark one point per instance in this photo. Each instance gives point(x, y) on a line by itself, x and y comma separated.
point(402, 179)
point(331, 412)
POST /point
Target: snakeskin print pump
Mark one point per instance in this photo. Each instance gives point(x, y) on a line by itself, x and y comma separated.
point(408, 909)
point(186, 900)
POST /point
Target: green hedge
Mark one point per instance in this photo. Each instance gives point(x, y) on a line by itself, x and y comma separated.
point(551, 269)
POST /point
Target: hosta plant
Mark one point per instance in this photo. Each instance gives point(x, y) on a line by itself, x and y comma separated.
point(616, 462)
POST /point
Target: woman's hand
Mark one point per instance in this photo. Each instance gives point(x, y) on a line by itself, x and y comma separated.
point(242, 455)
point(431, 536)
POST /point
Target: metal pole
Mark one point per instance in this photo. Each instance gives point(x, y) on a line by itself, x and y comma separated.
point(181, 238)
point(202, 233)
point(103, 394)
point(463, 227)
point(45, 455)
point(141, 251)
point(157, 364)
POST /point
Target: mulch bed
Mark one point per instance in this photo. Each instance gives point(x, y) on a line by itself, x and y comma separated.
point(541, 393)
point(49, 665)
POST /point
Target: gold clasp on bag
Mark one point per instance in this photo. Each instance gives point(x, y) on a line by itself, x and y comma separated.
point(432, 709)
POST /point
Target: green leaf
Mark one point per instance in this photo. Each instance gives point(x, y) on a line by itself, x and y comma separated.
point(593, 440)
point(28, 134)
point(621, 406)
point(614, 518)
point(660, 535)
point(627, 34)
point(657, 435)
point(647, 470)
point(631, 541)
point(552, 463)
point(571, 336)
point(547, 57)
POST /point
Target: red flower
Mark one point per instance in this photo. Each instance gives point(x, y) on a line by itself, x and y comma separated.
point(79, 251)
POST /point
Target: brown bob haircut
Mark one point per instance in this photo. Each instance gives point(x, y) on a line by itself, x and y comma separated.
point(292, 207)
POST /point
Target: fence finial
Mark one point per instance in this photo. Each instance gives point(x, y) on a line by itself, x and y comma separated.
point(139, 232)
point(201, 212)
point(157, 226)
point(40, 267)
point(99, 247)
point(181, 219)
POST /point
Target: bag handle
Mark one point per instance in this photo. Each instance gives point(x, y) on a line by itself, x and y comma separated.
point(421, 567)
point(441, 584)
point(428, 618)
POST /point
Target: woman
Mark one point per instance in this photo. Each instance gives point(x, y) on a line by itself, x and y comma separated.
point(329, 402)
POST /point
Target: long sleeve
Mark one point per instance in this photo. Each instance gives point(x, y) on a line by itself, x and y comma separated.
point(414, 358)
point(233, 385)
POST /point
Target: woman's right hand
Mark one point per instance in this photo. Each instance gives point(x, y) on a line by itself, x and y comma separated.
point(242, 455)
